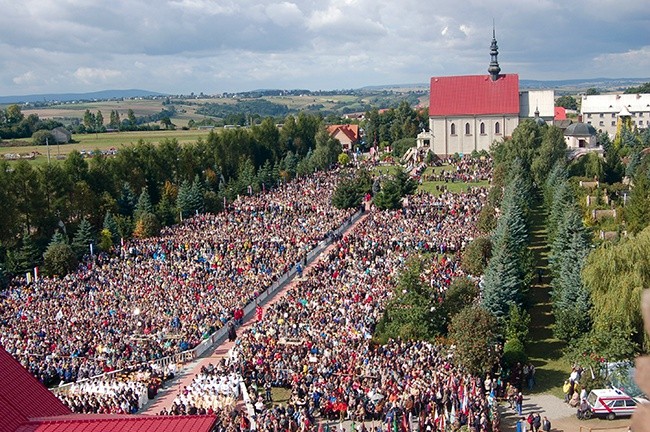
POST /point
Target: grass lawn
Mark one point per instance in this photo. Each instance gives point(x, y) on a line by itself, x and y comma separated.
point(104, 141)
point(430, 186)
point(544, 350)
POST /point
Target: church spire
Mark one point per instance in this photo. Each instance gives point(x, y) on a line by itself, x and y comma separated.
point(494, 68)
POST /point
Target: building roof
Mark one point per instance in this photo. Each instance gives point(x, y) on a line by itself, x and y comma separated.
point(349, 130)
point(22, 396)
point(580, 130)
point(474, 95)
point(27, 406)
point(114, 423)
point(613, 103)
point(560, 113)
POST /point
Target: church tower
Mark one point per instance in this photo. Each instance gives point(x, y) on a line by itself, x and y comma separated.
point(494, 68)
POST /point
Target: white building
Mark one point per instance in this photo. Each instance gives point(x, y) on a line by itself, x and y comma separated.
point(603, 111)
point(468, 113)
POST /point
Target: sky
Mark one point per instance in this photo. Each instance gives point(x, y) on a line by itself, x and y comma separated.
point(215, 46)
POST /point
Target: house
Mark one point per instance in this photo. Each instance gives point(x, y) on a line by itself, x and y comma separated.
point(61, 135)
point(27, 406)
point(604, 112)
point(347, 134)
point(470, 112)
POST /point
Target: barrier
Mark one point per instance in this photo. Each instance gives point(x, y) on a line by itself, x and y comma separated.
point(220, 335)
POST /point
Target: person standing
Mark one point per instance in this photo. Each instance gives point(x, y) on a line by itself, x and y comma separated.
point(519, 403)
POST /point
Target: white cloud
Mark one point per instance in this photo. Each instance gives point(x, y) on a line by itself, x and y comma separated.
point(95, 75)
point(27, 78)
point(444, 31)
point(284, 14)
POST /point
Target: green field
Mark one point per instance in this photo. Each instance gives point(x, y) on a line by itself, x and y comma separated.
point(103, 141)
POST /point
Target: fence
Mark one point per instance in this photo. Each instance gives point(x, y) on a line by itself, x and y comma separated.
point(219, 336)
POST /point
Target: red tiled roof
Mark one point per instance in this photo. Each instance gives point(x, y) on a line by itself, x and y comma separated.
point(350, 130)
point(125, 423)
point(474, 95)
point(560, 113)
point(22, 396)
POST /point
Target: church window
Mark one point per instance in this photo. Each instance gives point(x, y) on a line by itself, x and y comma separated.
point(467, 131)
point(482, 128)
point(613, 123)
point(497, 128)
point(453, 129)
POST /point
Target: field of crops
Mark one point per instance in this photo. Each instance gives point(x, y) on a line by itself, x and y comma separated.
point(102, 141)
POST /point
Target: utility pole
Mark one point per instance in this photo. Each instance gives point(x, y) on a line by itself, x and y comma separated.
point(47, 144)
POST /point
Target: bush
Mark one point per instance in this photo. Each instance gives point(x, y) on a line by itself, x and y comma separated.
point(42, 137)
point(513, 353)
point(476, 255)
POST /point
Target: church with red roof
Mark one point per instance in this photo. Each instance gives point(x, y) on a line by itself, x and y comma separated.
point(26, 405)
point(470, 112)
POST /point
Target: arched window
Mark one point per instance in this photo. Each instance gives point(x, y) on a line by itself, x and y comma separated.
point(466, 128)
point(453, 129)
point(497, 128)
point(482, 128)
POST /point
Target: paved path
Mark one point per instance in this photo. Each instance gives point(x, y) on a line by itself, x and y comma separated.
point(562, 416)
point(167, 394)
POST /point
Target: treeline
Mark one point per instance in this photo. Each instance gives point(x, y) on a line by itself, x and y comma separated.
point(145, 186)
point(14, 124)
point(394, 124)
point(260, 107)
point(95, 122)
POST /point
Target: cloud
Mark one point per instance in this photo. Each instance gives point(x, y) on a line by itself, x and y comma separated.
point(228, 45)
point(95, 75)
point(28, 77)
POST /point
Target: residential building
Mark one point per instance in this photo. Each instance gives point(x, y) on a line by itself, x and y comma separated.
point(604, 111)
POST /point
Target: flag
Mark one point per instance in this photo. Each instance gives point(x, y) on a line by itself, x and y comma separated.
point(405, 423)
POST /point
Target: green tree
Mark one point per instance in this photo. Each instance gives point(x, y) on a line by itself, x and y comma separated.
point(183, 201)
point(89, 121)
point(615, 275)
point(637, 209)
point(613, 169)
point(567, 101)
point(347, 194)
point(407, 185)
point(552, 151)
point(462, 292)
point(42, 137)
point(409, 313)
point(518, 324)
point(474, 331)
point(13, 114)
point(27, 257)
point(143, 205)
point(476, 255)
point(99, 121)
point(126, 201)
point(82, 239)
point(390, 196)
point(105, 240)
point(111, 225)
point(59, 258)
point(343, 159)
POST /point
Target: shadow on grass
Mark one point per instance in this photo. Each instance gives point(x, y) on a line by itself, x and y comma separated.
point(544, 351)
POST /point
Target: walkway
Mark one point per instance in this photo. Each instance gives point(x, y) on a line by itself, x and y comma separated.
point(185, 376)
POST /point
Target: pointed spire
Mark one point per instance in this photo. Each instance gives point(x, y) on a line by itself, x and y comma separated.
point(494, 68)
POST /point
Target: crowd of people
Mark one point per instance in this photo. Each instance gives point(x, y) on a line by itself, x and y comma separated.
point(463, 170)
point(164, 295)
point(316, 340)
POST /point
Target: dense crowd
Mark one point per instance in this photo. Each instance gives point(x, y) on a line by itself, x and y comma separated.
point(464, 170)
point(164, 295)
point(316, 339)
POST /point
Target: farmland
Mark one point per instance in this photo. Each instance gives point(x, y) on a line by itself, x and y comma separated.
point(103, 141)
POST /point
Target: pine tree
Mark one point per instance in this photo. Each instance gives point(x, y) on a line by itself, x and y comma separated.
point(183, 201)
point(28, 255)
point(571, 300)
point(144, 204)
point(126, 202)
point(196, 200)
point(111, 225)
point(82, 239)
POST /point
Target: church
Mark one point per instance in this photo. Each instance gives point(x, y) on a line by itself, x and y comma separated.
point(468, 113)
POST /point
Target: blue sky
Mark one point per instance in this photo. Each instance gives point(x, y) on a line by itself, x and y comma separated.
point(214, 46)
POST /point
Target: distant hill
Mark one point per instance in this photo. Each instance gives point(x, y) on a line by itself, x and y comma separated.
point(560, 86)
point(68, 97)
